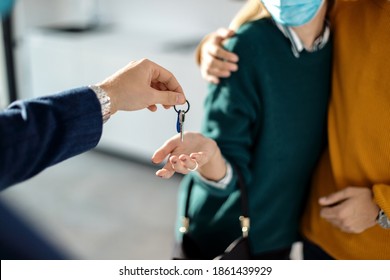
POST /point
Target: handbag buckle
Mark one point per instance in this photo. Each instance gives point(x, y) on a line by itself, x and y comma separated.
point(245, 225)
point(185, 225)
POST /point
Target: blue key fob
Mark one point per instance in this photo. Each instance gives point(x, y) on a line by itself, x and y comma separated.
point(178, 122)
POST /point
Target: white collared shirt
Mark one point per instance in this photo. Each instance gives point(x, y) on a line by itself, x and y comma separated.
point(296, 43)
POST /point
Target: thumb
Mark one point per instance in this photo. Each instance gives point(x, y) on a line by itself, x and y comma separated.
point(166, 97)
point(333, 198)
point(166, 149)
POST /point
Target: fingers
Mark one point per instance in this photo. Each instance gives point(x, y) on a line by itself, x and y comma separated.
point(335, 215)
point(163, 76)
point(166, 172)
point(142, 84)
point(215, 45)
point(182, 164)
point(210, 79)
point(152, 108)
point(166, 149)
point(213, 74)
point(182, 158)
point(216, 62)
point(225, 33)
point(185, 163)
point(224, 65)
point(351, 210)
point(201, 158)
point(344, 194)
point(219, 67)
point(334, 198)
point(166, 98)
point(165, 89)
point(213, 68)
point(330, 213)
point(341, 218)
point(217, 51)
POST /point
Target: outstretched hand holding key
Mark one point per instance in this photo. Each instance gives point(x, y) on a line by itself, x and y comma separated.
point(196, 153)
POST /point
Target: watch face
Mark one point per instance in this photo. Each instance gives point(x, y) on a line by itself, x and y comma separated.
point(383, 221)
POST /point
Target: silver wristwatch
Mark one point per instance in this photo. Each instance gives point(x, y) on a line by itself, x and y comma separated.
point(382, 220)
point(104, 101)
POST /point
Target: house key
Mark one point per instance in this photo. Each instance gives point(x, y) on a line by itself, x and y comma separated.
point(180, 120)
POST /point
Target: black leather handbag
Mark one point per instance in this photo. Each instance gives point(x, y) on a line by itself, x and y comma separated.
point(239, 249)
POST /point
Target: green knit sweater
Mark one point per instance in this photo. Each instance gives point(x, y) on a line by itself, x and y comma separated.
point(269, 120)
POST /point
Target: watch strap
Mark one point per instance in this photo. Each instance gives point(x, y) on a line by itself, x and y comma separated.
point(383, 220)
point(104, 101)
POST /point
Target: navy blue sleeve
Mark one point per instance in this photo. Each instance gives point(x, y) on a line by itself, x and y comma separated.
point(20, 241)
point(38, 133)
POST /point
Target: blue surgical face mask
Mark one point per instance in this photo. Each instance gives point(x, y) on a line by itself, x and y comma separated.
point(292, 12)
point(5, 7)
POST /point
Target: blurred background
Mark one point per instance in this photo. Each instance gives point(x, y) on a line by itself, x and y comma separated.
point(107, 203)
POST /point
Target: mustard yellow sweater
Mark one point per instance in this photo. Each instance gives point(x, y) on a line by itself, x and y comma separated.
point(358, 127)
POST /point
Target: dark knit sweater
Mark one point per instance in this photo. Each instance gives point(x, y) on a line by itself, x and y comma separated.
point(268, 119)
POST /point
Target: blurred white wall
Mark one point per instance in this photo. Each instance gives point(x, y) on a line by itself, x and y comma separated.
point(166, 32)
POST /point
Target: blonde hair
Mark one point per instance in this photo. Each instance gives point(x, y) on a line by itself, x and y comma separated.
point(252, 10)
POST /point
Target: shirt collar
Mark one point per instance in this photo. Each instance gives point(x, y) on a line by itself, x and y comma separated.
point(296, 44)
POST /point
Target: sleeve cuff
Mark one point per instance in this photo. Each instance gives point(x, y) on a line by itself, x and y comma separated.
point(104, 100)
point(224, 182)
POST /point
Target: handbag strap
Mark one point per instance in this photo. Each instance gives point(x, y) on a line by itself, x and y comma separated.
point(244, 218)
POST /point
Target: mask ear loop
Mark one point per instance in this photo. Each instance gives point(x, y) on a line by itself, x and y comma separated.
point(185, 111)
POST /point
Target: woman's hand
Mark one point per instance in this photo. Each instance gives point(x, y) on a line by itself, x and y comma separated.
point(215, 62)
point(352, 209)
point(195, 153)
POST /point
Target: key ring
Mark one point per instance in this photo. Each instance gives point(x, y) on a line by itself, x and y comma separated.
point(185, 111)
